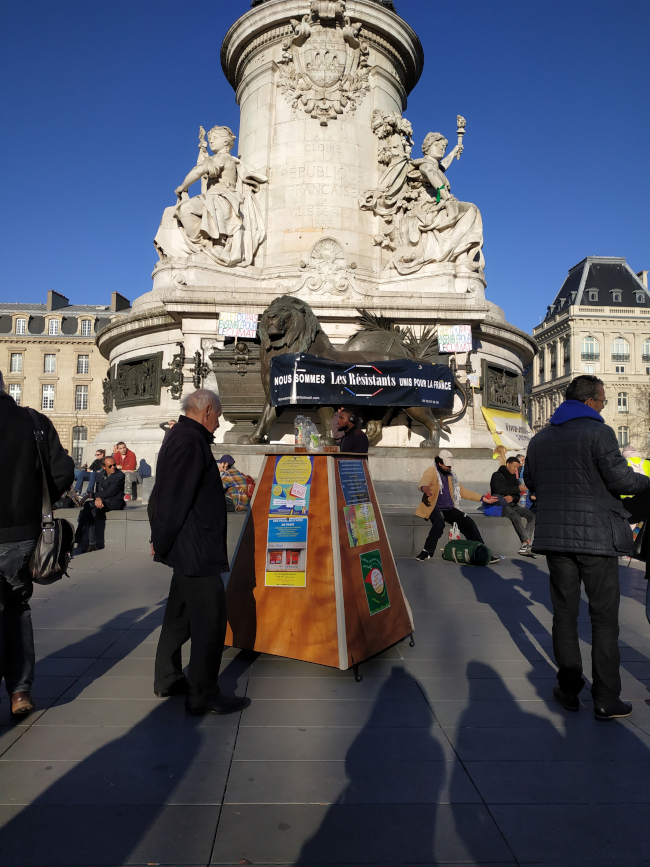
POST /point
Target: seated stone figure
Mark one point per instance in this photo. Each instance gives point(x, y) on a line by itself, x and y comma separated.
point(423, 222)
point(224, 220)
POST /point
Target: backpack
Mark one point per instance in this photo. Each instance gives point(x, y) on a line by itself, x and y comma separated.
point(467, 553)
point(250, 486)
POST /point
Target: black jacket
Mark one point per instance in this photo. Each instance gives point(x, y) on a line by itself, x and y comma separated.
point(22, 487)
point(110, 490)
point(188, 506)
point(577, 472)
point(505, 484)
point(354, 440)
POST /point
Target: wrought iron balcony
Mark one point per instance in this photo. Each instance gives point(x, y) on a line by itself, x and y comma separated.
point(645, 357)
point(590, 356)
point(620, 356)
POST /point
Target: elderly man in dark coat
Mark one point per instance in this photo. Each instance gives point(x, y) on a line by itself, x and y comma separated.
point(20, 527)
point(575, 468)
point(188, 532)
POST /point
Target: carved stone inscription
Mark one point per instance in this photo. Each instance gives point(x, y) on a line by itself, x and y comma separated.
point(137, 381)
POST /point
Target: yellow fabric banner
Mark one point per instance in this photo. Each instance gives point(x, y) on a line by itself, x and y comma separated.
point(508, 429)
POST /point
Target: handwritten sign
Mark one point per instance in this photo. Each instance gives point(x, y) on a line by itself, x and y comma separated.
point(237, 325)
point(455, 338)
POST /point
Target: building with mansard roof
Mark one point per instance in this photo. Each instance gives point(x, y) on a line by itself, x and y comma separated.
point(50, 362)
point(599, 323)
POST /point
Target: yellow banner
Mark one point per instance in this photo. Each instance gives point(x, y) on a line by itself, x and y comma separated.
point(508, 429)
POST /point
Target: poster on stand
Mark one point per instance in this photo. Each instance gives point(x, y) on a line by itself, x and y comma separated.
point(372, 573)
point(291, 487)
point(361, 524)
point(237, 325)
point(353, 482)
point(508, 429)
point(455, 338)
point(286, 553)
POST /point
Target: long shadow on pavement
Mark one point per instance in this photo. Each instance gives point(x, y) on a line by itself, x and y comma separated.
point(150, 794)
point(564, 789)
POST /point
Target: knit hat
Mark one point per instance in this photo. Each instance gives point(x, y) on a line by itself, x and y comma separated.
point(226, 459)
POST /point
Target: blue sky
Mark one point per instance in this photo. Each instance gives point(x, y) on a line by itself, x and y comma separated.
point(101, 103)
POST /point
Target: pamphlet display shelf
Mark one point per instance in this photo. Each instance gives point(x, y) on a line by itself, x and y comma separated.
point(313, 576)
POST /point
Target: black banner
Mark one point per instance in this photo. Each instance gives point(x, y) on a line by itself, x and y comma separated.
point(309, 379)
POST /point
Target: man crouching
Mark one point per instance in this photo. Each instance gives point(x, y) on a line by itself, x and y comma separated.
point(188, 532)
point(442, 493)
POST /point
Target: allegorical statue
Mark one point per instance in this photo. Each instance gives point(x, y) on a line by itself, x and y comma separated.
point(423, 222)
point(224, 220)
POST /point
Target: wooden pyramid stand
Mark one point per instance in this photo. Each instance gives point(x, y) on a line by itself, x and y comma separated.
point(339, 599)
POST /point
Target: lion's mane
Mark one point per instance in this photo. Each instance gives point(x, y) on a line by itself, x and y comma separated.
point(302, 332)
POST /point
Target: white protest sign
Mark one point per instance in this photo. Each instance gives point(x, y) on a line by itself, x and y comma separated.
point(455, 338)
point(237, 325)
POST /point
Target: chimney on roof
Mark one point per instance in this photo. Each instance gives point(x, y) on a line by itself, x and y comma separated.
point(643, 277)
point(119, 302)
point(55, 301)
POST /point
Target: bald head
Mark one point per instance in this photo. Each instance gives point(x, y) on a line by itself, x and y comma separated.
point(204, 407)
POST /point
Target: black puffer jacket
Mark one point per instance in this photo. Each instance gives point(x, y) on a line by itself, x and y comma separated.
point(575, 468)
point(505, 484)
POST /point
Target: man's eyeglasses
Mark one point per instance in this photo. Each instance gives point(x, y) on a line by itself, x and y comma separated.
point(108, 466)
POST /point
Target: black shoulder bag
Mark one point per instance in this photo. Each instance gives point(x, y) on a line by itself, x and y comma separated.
point(49, 562)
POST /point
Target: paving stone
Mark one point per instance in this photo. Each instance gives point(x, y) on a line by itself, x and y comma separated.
point(120, 780)
point(150, 713)
point(586, 782)
point(357, 834)
point(612, 834)
point(357, 780)
point(404, 689)
point(338, 712)
point(106, 835)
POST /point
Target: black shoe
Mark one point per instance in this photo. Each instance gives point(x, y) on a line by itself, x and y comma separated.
point(568, 700)
point(222, 704)
point(616, 710)
point(179, 687)
point(424, 555)
point(494, 561)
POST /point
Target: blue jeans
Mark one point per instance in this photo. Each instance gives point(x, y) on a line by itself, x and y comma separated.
point(16, 634)
point(80, 476)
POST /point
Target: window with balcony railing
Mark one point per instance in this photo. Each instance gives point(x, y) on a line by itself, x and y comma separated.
point(620, 350)
point(590, 349)
point(646, 350)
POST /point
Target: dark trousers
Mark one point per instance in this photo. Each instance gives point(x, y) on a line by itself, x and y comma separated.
point(516, 513)
point(16, 634)
point(196, 609)
point(91, 516)
point(465, 524)
point(600, 578)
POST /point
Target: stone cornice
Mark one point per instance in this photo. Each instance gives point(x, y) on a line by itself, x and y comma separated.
point(269, 23)
point(151, 320)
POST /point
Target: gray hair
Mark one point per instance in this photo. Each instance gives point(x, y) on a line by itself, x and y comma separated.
point(199, 400)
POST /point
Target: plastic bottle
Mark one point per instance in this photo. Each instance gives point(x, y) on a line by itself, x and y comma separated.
point(312, 437)
point(299, 431)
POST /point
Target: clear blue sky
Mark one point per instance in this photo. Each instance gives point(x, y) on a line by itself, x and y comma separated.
point(101, 103)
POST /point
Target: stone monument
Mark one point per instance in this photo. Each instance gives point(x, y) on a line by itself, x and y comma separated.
point(324, 201)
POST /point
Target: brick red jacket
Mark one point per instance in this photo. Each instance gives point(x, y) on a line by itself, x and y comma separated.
point(126, 463)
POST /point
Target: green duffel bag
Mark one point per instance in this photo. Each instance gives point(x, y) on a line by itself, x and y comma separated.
point(467, 553)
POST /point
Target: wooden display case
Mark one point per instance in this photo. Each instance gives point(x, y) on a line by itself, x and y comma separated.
point(313, 576)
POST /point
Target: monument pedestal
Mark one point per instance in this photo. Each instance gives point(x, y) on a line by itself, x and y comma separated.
point(313, 576)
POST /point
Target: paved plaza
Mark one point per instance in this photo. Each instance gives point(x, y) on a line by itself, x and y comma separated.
point(451, 752)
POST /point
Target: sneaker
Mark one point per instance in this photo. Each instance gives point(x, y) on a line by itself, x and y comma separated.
point(523, 550)
point(424, 555)
point(127, 497)
point(494, 561)
point(616, 710)
point(528, 552)
point(568, 700)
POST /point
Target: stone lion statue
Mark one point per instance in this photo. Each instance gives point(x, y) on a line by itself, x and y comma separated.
point(289, 325)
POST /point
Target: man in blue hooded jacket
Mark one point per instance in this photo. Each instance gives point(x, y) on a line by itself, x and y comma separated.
point(575, 469)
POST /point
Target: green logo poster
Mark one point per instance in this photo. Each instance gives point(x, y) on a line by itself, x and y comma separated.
point(373, 580)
